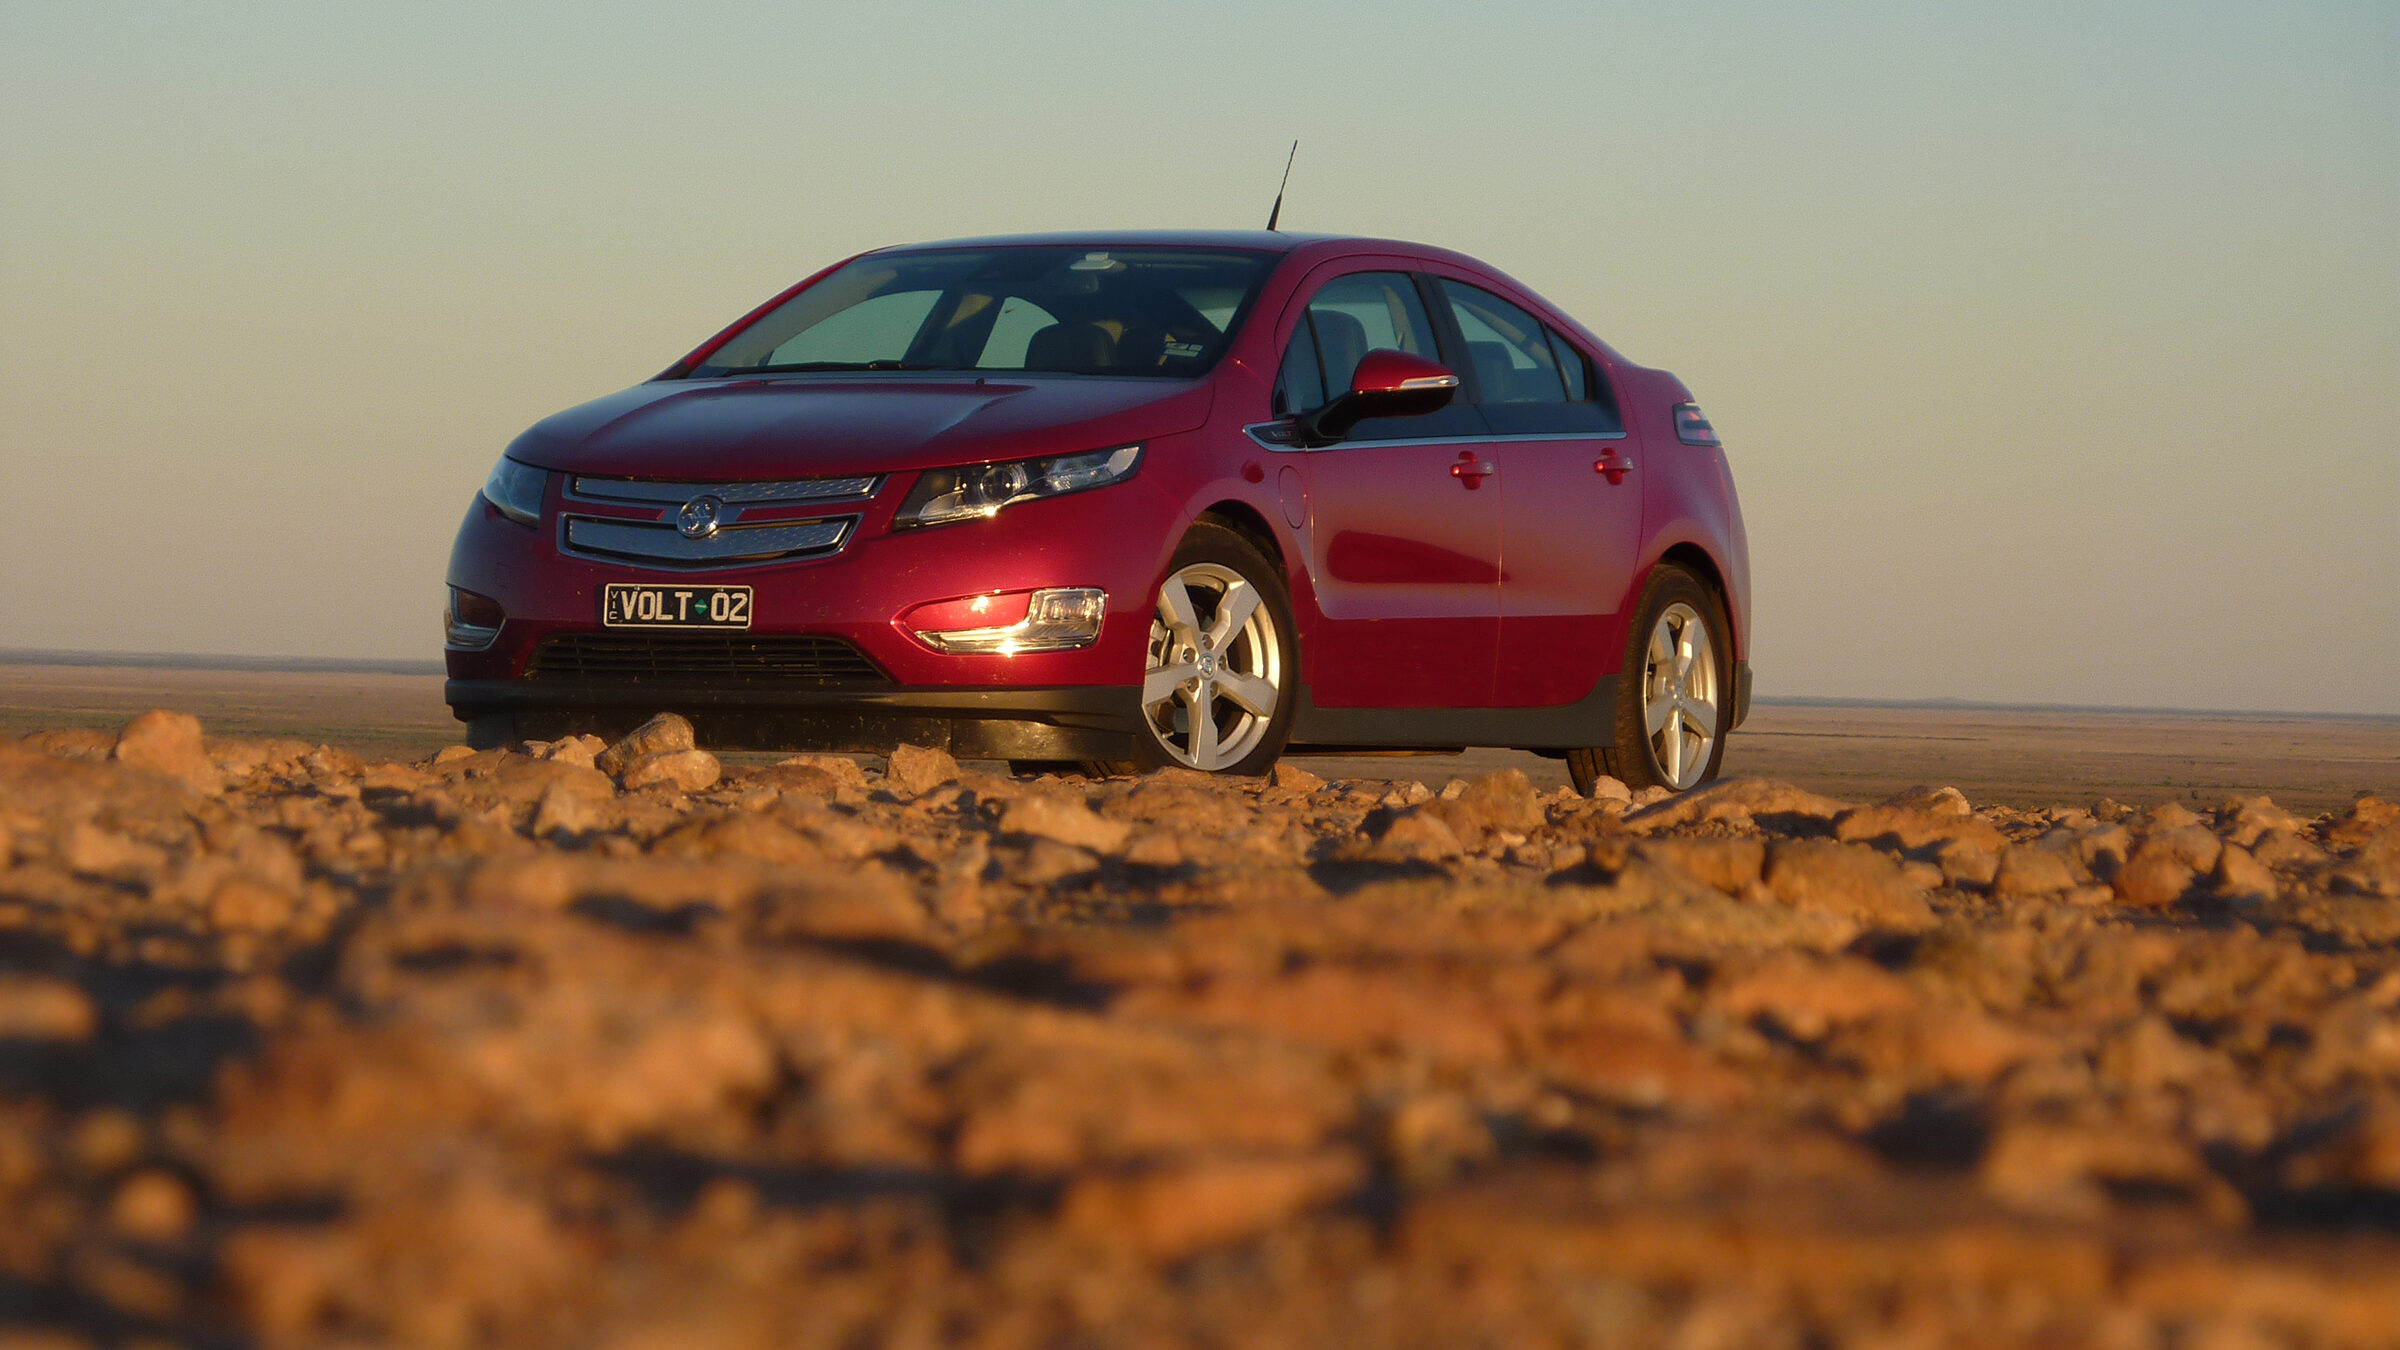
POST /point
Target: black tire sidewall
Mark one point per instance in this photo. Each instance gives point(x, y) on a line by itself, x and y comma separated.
point(1208, 542)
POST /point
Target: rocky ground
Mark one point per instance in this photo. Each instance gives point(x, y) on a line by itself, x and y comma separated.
point(618, 1047)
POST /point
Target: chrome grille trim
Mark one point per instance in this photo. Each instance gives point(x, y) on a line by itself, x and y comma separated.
point(755, 523)
point(732, 494)
point(660, 543)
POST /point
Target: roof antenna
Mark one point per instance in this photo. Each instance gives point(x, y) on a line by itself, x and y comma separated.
point(1277, 213)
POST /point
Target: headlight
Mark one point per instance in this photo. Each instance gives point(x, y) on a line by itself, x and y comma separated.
point(975, 491)
point(516, 489)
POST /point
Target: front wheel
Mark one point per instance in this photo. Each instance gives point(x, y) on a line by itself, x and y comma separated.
point(1675, 697)
point(1223, 667)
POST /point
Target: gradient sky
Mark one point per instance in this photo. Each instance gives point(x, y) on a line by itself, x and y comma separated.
point(2056, 345)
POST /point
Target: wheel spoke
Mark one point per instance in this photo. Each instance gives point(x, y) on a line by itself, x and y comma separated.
point(1233, 611)
point(1255, 695)
point(1160, 685)
point(1702, 717)
point(1177, 603)
point(1671, 756)
point(1204, 729)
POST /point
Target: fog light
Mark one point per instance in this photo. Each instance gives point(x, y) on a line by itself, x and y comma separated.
point(471, 622)
point(1054, 621)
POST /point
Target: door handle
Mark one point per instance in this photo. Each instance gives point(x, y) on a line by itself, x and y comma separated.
point(1613, 465)
point(1472, 471)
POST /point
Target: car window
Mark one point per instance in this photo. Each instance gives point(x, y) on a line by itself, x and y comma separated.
point(1364, 312)
point(876, 329)
point(1507, 347)
point(1072, 309)
point(1011, 333)
point(1348, 317)
point(1301, 384)
point(1571, 365)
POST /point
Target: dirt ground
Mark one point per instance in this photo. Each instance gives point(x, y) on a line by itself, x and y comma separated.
point(634, 1047)
point(2008, 757)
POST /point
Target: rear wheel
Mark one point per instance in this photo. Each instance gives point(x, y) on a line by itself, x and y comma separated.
point(1675, 698)
point(1222, 673)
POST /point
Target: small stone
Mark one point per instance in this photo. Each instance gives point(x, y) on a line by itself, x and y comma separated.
point(1412, 835)
point(663, 734)
point(1176, 1211)
point(687, 770)
point(1502, 801)
point(564, 810)
point(2033, 871)
point(38, 1008)
point(1940, 801)
point(1294, 778)
point(242, 902)
point(840, 769)
point(1847, 880)
point(1066, 822)
point(97, 852)
point(914, 770)
point(1607, 788)
point(169, 743)
point(451, 754)
point(1735, 800)
point(2153, 878)
point(581, 751)
point(2239, 876)
point(153, 1206)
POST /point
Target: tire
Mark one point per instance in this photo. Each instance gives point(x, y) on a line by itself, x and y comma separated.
point(1675, 697)
point(493, 731)
point(1222, 674)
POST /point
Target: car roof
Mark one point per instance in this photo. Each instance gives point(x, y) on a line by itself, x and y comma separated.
point(1263, 241)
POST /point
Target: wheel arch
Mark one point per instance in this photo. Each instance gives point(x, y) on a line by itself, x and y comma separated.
point(1245, 520)
point(1699, 562)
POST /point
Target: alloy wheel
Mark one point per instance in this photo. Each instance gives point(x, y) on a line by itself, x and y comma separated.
point(1216, 667)
point(1680, 695)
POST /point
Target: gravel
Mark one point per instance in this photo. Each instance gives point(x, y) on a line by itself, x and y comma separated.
point(620, 1046)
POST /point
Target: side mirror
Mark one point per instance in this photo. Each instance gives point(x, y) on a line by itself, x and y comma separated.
point(1387, 383)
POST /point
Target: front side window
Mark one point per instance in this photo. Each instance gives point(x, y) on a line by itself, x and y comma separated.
point(1062, 309)
point(1347, 318)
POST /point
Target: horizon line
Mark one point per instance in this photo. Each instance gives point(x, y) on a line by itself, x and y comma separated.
point(344, 665)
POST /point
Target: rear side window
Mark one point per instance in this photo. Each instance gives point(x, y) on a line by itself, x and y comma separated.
point(1528, 379)
point(1507, 348)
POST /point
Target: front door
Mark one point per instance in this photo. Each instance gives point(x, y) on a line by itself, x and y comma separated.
point(1404, 529)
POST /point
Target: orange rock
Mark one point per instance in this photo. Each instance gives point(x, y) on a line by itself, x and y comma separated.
point(1170, 1213)
point(1848, 880)
point(169, 743)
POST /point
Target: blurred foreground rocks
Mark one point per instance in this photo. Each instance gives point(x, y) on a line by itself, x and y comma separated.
point(621, 1046)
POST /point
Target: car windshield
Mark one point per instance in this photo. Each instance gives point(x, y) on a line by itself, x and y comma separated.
point(1078, 310)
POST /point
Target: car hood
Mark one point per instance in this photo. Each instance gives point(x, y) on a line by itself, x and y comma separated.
point(816, 425)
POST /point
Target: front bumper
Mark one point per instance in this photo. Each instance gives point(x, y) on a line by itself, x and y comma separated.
point(1072, 722)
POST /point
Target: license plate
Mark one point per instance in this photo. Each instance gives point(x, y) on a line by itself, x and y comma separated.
point(675, 607)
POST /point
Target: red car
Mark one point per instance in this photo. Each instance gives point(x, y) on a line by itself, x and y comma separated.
point(1119, 500)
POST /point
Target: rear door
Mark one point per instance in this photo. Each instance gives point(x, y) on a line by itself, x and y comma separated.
point(1573, 491)
point(1404, 529)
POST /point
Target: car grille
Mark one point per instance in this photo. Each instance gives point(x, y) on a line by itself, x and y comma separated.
point(782, 521)
point(633, 658)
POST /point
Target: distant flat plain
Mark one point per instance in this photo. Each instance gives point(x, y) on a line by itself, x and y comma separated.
point(1854, 751)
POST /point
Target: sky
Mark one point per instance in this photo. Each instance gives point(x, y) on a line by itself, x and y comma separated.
point(2056, 346)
